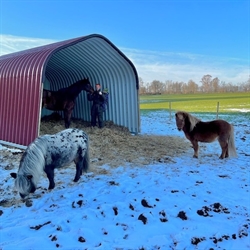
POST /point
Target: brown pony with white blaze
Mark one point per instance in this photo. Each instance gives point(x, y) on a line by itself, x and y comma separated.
point(196, 131)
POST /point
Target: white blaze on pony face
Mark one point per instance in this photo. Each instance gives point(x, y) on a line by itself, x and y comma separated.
point(180, 120)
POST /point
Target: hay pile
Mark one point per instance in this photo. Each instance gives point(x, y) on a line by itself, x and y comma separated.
point(115, 145)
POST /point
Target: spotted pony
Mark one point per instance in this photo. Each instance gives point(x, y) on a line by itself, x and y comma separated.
point(48, 152)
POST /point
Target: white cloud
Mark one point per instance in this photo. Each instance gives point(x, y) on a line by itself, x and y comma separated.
point(156, 65)
point(162, 66)
point(10, 44)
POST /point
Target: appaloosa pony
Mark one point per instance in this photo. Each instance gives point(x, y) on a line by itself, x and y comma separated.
point(196, 131)
point(48, 152)
point(64, 99)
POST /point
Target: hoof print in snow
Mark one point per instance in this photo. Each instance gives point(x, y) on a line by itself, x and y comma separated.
point(53, 238)
point(1, 212)
point(163, 214)
point(79, 203)
point(115, 210)
point(81, 239)
point(143, 219)
point(204, 211)
point(131, 207)
point(182, 215)
point(216, 240)
point(216, 207)
point(196, 241)
point(113, 183)
point(174, 191)
point(145, 203)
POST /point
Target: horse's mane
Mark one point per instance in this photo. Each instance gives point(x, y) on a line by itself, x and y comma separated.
point(192, 119)
point(33, 161)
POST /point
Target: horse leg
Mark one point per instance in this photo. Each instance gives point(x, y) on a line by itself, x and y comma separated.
point(224, 148)
point(67, 116)
point(67, 113)
point(79, 166)
point(49, 170)
point(82, 162)
point(195, 147)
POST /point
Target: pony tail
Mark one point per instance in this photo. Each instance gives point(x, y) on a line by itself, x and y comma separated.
point(231, 144)
point(86, 158)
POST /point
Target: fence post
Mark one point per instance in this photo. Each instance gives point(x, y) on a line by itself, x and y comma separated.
point(218, 105)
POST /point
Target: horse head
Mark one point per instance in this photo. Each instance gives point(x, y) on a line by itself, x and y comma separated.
point(86, 85)
point(24, 184)
point(180, 120)
point(185, 121)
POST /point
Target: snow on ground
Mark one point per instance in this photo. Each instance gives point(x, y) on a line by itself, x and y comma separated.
point(186, 204)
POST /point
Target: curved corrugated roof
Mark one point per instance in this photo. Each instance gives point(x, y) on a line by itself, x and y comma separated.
point(23, 75)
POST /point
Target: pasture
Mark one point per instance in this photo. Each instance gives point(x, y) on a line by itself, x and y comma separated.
point(142, 192)
point(228, 102)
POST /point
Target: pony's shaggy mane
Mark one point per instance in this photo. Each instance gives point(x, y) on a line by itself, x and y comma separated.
point(33, 157)
point(192, 119)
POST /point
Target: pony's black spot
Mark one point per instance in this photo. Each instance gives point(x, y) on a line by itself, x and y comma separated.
point(55, 157)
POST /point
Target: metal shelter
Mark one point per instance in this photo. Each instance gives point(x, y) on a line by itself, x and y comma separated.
point(24, 74)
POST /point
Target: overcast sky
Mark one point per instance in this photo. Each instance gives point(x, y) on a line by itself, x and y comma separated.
point(166, 40)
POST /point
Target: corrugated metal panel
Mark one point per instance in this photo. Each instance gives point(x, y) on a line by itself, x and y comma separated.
point(23, 73)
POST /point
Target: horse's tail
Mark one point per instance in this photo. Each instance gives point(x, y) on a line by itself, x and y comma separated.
point(86, 158)
point(231, 144)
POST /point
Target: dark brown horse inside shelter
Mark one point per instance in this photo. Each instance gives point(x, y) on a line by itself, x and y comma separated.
point(64, 99)
point(196, 131)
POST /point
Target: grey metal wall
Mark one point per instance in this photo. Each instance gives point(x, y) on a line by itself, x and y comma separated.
point(97, 59)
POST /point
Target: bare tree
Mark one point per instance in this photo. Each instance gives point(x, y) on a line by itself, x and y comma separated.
point(156, 87)
point(215, 84)
point(192, 87)
point(205, 81)
point(142, 89)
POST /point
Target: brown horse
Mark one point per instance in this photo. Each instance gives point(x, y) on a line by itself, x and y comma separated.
point(196, 131)
point(64, 99)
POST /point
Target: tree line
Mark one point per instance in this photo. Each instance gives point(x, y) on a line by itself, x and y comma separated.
point(207, 85)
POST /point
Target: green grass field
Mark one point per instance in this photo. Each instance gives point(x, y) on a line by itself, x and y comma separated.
point(228, 102)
